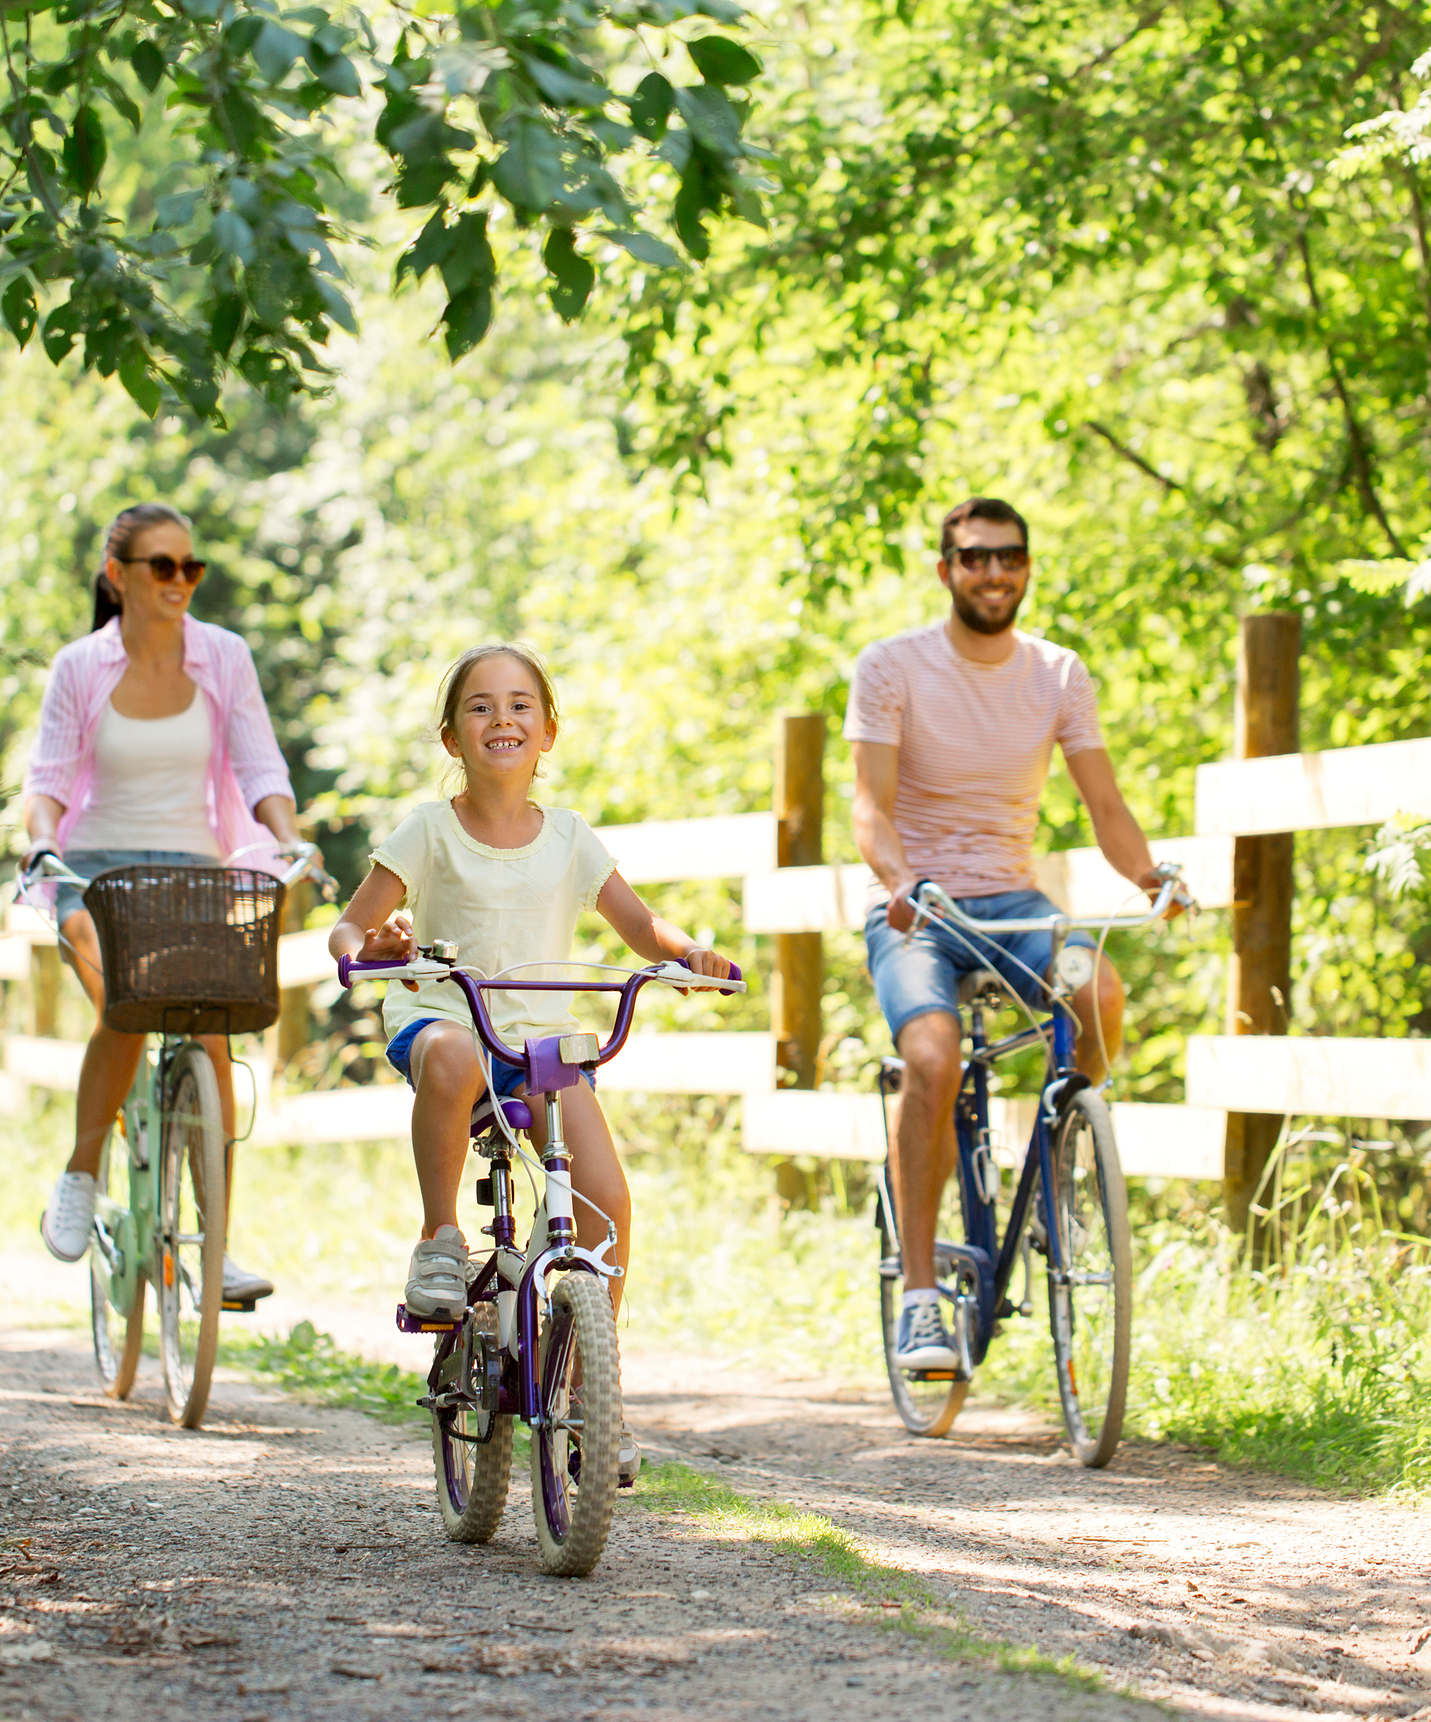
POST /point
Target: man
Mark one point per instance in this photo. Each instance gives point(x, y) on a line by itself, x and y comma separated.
point(953, 728)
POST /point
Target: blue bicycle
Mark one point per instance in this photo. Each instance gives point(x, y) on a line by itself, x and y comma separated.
point(1070, 1204)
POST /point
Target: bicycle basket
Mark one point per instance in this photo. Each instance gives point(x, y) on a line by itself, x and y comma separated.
point(187, 950)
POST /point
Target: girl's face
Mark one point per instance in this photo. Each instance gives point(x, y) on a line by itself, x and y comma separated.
point(501, 727)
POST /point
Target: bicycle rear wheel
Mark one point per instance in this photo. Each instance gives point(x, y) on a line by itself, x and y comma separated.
point(118, 1338)
point(927, 1402)
point(189, 1250)
point(472, 1450)
point(575, 1456)
point(1091, 1303)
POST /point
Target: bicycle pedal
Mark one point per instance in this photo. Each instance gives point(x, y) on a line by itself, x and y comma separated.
point(407, 1323)
point(240, 1306)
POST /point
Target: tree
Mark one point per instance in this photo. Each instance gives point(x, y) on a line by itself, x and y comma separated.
point(500, 122)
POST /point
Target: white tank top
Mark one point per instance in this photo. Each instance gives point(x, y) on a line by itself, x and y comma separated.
point(151, 781)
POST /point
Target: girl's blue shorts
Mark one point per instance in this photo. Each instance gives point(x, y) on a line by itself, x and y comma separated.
point(506, 1078)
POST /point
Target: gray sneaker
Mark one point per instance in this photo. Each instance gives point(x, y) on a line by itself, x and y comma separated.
point(437, 1276)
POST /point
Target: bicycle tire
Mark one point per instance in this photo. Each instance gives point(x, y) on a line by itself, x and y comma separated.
point(927, 1404)
point(1091, 1309)
point(473, 1477)
point(118, 1338)
point(574, 1476)
point(189, 1246)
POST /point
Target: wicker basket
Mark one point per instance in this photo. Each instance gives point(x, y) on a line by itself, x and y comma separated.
point(188, 950)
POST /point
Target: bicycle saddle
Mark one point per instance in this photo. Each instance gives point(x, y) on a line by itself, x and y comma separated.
point(484, 1116)
point(981, 981)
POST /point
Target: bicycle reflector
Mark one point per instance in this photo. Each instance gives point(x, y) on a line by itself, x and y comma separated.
point(578, 1048)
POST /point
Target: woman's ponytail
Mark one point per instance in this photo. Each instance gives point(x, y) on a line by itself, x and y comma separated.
point(124, 529)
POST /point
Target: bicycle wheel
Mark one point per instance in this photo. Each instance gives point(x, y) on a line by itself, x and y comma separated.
point(118, 1337)
point(472, 1450)
point(189, 1250)
point(574, 1457)
point(927, 1402)
point(1091, 1305)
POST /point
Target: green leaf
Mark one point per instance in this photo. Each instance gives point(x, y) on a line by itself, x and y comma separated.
point(18, 305)
point(721, 61)
point(226, 321)
point(58, 334)
point(242, 33)
point(468, 257)
point(528, 173)
point(337, 305)
point(140, 382)
point(575, 277)
point(148, 64)
point(84, 151)
point(724, 11)
point(562, 88)
point(692, 201)
point(651, 105)
point(427, 250)
point(336, 72)
point(644, 247)
point(275, 50)
point(234, 235)
point(713, 121)
point(468, 317)
point(176, 208)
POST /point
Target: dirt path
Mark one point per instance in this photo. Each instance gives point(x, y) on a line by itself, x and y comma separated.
point(285, 1563)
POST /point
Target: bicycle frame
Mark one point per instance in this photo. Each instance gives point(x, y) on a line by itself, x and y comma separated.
point(510, 1278)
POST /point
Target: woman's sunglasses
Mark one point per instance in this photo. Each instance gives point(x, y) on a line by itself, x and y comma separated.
point(164, 568)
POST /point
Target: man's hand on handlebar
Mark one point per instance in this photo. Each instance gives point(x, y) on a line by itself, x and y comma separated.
point(899, 914)
point(393, 942)
point(1152, 882)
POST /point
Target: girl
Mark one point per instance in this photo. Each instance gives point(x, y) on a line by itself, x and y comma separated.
point(506, 879)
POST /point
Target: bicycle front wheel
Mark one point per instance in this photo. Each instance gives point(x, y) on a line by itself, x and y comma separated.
point(927, 1401)
point(118, 1337)
point(575, 1452)
point(189, 1252)
point(1091, 1300)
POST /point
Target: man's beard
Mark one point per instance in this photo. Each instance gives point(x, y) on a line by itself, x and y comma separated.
point(981, 623)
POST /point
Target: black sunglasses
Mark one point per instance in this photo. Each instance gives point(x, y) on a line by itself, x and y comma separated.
point(164, 568)
point(1014, 558)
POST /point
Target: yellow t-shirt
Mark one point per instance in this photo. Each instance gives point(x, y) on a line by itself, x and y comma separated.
point(501, 906)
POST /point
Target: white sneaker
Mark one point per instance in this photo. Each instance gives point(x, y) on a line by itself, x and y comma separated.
point(437, 1277)
point(67, 1222)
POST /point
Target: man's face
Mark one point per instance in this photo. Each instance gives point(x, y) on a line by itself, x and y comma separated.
point(986, 596)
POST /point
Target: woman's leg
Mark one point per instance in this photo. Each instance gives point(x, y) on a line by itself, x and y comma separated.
point(448, 1081)
point(597, 1173)
point(110, 1059)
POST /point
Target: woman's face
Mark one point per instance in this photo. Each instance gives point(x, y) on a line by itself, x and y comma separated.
point(501, 726)
point(142, 594)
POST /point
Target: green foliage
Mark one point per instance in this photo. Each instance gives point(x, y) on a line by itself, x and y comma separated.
point(310, 1366)
point(255, 114)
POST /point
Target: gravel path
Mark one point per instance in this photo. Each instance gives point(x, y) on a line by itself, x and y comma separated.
point(285, 1562)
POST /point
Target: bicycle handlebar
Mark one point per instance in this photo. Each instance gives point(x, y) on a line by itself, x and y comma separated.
point(350, 969)
point(51, 866)
point(929, 902)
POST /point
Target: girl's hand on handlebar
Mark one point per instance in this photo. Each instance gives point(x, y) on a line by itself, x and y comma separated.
point(392, 942)
point(701, 961)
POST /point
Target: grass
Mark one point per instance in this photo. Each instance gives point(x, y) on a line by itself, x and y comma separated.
point(906, 1602)
point(309, 1365)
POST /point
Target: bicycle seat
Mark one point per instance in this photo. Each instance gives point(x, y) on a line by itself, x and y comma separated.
point(980, 982)
point(484, 1115)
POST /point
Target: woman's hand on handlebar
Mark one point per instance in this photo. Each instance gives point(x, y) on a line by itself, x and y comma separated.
point(40, 846)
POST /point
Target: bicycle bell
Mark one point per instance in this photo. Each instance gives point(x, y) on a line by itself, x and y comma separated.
point(442, 951)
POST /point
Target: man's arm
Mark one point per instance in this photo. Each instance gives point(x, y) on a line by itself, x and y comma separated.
point(880, 845)
point(1119, 835)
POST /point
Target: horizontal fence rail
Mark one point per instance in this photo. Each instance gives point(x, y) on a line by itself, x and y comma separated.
point(1314, 791)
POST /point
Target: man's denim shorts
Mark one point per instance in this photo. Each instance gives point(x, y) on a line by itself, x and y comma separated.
point(912, 980)
point(89, 863)
point(506, 1078)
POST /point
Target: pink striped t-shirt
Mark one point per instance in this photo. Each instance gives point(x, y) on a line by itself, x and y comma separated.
point(974, 744)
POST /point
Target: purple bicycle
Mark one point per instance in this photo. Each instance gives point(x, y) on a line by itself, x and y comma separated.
point(524, 1349)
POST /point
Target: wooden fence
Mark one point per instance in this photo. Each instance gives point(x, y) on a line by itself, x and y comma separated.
point(1228, 1077)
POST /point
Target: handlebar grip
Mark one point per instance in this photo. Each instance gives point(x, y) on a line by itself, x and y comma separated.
point(734, 975)
point(345, 978)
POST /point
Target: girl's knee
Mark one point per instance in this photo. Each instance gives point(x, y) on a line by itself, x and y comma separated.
point(446, 1065)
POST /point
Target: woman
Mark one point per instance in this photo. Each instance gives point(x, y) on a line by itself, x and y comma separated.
point(154, 746)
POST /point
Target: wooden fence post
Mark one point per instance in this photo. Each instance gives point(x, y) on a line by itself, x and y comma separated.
point(45, 967)
point(295, 1022)
point(799, 957)
point(1259, 978)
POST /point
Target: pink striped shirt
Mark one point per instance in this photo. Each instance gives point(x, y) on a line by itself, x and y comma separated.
point(974, 741)
point(244, 767)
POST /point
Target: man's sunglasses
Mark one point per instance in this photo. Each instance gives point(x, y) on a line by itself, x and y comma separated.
point(1013, 558)
point(164, 568)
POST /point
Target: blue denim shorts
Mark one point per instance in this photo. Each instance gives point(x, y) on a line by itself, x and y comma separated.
point(506, 1078)
point(88, 863)
point(912, 980)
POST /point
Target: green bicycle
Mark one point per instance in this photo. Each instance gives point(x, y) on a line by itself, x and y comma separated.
point(187, 951)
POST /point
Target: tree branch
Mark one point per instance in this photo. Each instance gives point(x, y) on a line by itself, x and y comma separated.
point(1128, 454)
